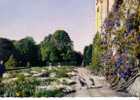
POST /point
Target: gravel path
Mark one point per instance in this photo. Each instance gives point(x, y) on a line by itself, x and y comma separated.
point(100, 89)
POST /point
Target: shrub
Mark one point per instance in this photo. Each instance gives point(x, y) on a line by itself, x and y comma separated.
point(19, 88)
point(48, 93)
point(11, 62)
point(97, 53)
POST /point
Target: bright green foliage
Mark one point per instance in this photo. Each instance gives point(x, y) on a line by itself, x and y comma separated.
point(48, 93)
point(58, 49)
point(19, 88)
point(87, 57)
point(27, 51)
point(46, 47)
point(64, 46)
point(97, 51)
point(55, 49)
point(11, 62)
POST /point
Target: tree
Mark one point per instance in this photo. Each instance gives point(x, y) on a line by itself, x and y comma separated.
point(54, 57)
point(62, 40)
point(64, 45)
point(28, 51)
point(87, 57)
point(77, 58)
point(6, 49)
point(11, 62)
point(97, 51)
point(57, 48)
point(46, 47)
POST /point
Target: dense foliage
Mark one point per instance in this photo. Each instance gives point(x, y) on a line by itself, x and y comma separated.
point(96, 54)
point(58, 49)
point(87, 56)
point(55, 49)
point(27, 51)
point(6, 49)
point(26, 88)
point(11, 63)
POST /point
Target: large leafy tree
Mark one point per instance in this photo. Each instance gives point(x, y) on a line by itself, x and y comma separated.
point(63, 44)
point(28, 51)
point(57, 48)
point(87, 55)
point(46, 47)
point(6, 49)
point(62, 40)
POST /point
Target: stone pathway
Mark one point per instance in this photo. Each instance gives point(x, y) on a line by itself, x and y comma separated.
point(100, 89)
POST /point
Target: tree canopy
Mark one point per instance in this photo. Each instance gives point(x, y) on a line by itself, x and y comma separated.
point(6, 49)
point(27, 51)
point(58, 49)
point(87, 56)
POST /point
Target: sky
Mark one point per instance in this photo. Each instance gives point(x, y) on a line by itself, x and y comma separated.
point(38, 18)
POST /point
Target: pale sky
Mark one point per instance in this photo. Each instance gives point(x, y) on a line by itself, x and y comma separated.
point(38, 18)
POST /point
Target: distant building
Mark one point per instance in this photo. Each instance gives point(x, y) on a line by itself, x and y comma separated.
point(103, 7)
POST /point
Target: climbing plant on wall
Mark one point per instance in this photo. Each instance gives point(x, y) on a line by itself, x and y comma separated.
point(119, 50)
